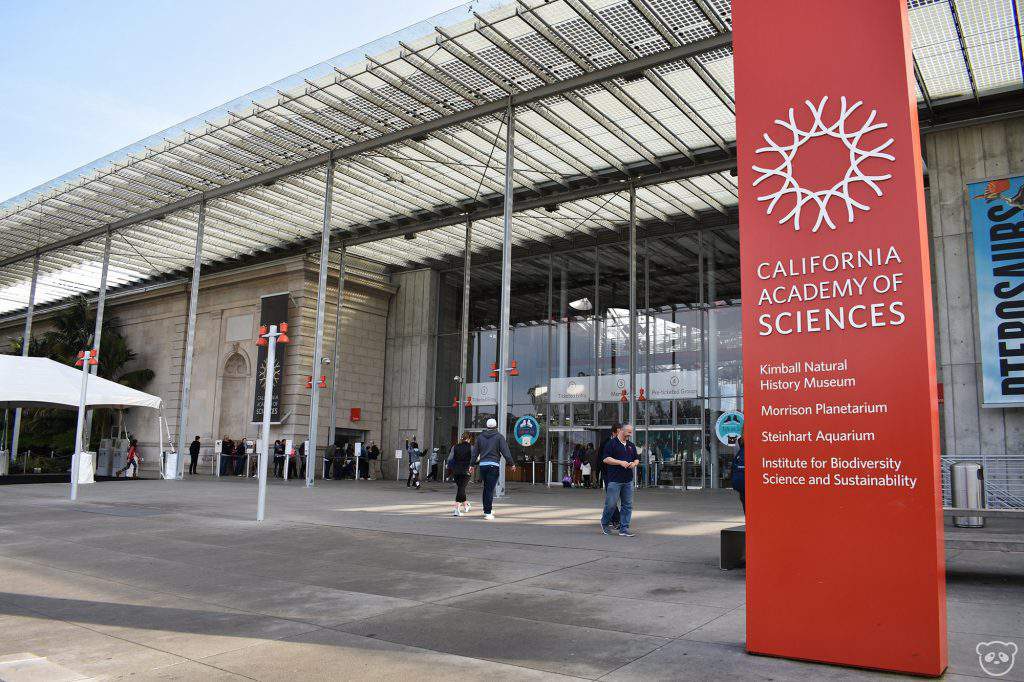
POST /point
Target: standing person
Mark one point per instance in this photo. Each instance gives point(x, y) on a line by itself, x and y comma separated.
point(328, 459)
point(489, 448)
point(279, 458)
point(302, 459)
point(193, 453)
point(577, 465)
point(594, 457)
point(739, 475)
point(461, 464)
point(412, 451)
point(373, 457)
point(226, 446)
point(432, 465)
point(622, 459)
point(603, 469)
point(239, 457)
point(585, 472)
point(131, 460)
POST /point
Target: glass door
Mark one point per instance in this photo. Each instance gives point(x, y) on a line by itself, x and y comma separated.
point(563, 442)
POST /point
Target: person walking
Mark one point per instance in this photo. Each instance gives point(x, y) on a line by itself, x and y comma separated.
point(131, 460)
point(460, 462)
point(373, 457)
point(622, 459)
point(738, 475)
point(489, 448)
point(193, 453)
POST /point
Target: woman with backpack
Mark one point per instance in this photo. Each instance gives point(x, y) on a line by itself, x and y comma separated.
point(460, 463)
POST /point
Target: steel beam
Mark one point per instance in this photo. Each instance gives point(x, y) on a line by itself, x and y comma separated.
point(632, 307)
point(190, 343)
point(97, 334)
point(26, 341)
point(318, 344)
point(336, 359)
point(506, 286)
point(464, 334)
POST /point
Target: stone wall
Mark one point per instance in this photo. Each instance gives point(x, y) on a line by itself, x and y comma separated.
point(955, 158)
point(410, 376)
point(223, 368)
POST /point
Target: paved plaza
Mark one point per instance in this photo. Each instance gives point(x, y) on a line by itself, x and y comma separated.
point(370, 580)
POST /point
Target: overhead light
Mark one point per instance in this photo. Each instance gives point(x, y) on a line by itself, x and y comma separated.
point(583, 304)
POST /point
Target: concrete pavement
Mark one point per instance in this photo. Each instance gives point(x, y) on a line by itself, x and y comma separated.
point(370, 580)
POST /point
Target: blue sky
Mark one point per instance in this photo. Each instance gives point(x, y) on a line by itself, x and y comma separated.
point(81, 79)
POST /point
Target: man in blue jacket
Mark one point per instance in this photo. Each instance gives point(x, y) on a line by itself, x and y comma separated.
point(622, 459)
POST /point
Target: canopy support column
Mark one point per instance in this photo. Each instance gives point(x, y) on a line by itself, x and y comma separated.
point(190, 343)
point(506, 286)
point(714, 390)
point(336, 360)
point(632, 306)
point(318, 343)
point(26, 341)
point(97, 335)
point(464, 333)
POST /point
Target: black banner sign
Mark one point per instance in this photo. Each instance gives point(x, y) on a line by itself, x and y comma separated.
point(273, 310)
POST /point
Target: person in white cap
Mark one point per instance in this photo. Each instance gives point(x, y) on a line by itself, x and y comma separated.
point(488, 449)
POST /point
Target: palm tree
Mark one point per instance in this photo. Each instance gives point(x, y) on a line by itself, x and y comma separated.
point(73, 330)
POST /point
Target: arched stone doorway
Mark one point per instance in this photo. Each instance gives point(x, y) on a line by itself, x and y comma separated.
point(234, 397)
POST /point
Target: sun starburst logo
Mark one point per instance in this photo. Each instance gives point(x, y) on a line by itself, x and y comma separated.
point(859, 150)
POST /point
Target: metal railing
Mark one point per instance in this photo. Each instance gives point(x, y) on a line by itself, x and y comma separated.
point(1004, 479)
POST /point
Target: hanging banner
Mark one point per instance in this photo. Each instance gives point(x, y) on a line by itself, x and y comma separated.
point(998, 228)
point(845, 555)
point(273, 310)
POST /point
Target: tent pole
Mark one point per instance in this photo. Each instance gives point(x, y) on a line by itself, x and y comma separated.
point(26, 341)
point(76, 456)
point(97, 334)
point(318, 342)
point(190, 342)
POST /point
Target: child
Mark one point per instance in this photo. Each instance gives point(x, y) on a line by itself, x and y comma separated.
point(414, 474)
point(567, 481)
point(585, 468)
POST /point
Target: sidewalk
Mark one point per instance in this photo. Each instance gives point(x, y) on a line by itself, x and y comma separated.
point(371, 580)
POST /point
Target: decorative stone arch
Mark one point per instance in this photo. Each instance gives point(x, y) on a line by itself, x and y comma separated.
point(236, 364)
point(235, 406)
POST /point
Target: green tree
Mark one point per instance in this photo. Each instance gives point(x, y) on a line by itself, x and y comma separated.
point(73, 330)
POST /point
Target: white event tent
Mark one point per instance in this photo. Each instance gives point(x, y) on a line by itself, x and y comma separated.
point(41, 382)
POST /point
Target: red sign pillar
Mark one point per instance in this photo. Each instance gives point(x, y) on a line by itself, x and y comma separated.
point(845, 560)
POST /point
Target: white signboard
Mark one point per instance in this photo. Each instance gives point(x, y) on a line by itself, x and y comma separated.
point(572, 390)
point(675, 384)
point(670, 385)
point(398, 454)
point(482, 393)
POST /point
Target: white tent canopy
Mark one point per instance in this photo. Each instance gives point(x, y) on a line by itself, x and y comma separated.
point(41, 382)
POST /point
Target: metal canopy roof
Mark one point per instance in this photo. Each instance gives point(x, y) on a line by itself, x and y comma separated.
point(605, 91)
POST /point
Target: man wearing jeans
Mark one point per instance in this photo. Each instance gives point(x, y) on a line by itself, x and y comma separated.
point(621, 458)
point(488, 449)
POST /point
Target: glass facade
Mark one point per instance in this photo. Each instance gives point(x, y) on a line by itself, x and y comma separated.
point(571, 341)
